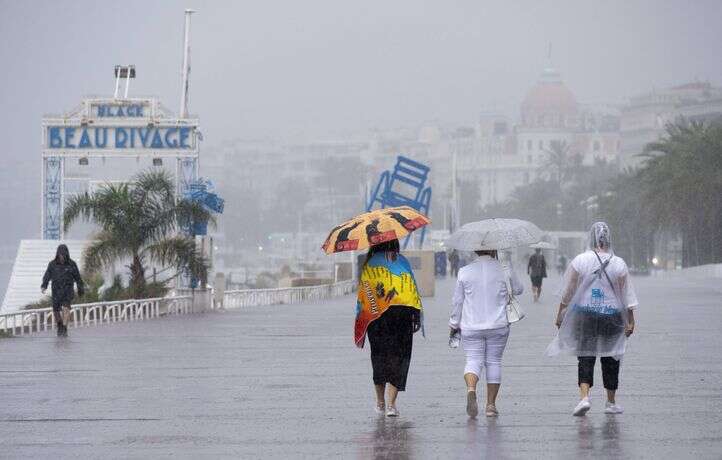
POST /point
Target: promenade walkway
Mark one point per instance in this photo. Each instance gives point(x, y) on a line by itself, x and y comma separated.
point(287, 382)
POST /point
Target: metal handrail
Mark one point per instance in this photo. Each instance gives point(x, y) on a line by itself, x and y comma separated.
point(242, 298)
point(23, 322)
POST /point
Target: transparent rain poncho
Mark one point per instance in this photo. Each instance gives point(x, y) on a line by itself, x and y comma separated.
point(598, 303)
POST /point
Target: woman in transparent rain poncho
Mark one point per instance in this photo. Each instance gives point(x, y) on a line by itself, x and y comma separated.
point(596, 316)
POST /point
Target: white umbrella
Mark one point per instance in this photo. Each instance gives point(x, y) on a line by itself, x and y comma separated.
point(492, 234)
point(542, 245)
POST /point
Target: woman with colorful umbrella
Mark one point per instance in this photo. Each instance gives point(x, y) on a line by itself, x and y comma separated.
point(388, 306)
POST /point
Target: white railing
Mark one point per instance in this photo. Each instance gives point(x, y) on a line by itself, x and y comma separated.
point(259, 297)
point(23, 322)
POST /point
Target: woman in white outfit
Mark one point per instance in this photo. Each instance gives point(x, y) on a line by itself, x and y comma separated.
point(479, 312)
point(596, 316)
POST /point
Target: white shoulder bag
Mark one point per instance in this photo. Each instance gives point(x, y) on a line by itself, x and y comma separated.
point(514, 312)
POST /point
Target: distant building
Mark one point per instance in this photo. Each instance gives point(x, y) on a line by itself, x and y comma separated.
point(645, 116)
point(505, 156)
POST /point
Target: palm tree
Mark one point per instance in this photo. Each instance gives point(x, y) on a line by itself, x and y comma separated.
point(682, 185)
point(560, 164)
point(141, 222)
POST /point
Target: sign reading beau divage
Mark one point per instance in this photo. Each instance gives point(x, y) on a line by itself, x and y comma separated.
point(119, 125)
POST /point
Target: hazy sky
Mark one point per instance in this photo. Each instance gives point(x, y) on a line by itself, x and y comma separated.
point(317, 69)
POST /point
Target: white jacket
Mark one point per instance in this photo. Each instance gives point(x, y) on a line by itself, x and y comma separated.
point(480, 295)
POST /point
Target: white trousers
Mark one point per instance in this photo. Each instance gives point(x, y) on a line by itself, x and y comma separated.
point(484, 348)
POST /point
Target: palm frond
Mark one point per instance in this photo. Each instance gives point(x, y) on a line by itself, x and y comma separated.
point(188, 212)
point(104, 252)
point(179, 252)
point(80, 206)
point(155, 185)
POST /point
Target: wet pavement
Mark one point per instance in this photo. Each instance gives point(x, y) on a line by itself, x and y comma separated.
point(287, 381)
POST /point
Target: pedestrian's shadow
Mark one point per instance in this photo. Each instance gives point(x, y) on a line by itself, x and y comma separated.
point(585, 438)
point(62, 344)
point(392, 439)
point(490, 438)
point(611, 434)
point(608, 436)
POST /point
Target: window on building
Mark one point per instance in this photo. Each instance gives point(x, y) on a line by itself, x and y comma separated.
point(526, 178)
point(541, 144)
point(528, 144)
point(596, 146)
point(529, 159)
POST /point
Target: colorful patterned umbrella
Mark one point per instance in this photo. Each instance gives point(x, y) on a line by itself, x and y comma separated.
point(373, 228)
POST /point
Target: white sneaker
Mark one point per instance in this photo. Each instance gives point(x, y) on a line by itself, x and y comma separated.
point(380, 408)
point(582, 408)
point(615, 408)
point(391, 411)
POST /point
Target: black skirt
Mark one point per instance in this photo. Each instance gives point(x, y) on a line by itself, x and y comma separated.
point(391, 337)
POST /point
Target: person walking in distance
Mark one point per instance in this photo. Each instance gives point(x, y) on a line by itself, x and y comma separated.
point(596, 316)
point(562, 265)
point(537, 270)
point(454, 262)
point(62, 272)
point(479, 314)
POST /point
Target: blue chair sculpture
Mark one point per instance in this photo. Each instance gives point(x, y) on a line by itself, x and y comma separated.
point(404, 186)
point(201, 191)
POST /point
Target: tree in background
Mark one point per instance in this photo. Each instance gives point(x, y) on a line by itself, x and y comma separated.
point(343, 176)
point(140, 221)
point(560, 164)
point(681, 185)
point(630, 219)
point(555, 202)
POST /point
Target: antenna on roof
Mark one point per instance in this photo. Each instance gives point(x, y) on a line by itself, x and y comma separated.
point(183, 112)
point(123, 71)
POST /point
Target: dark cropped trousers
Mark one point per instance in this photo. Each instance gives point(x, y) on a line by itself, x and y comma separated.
point(610, 371)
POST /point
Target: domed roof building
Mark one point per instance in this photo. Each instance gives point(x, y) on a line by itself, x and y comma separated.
point(549, 104)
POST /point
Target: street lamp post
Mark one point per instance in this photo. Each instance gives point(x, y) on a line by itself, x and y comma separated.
point(559, 216)
point(590, 204)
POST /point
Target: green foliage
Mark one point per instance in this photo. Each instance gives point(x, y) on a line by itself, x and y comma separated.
point(555, 202)
point(631, 220)
point(561, 166)
point(681, 186)
point(677, 190)
point(139, 222)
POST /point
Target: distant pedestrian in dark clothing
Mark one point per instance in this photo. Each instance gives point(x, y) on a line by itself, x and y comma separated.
point(454, 262)
point(562, 266)
point(62, 272)
point(537, 270)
